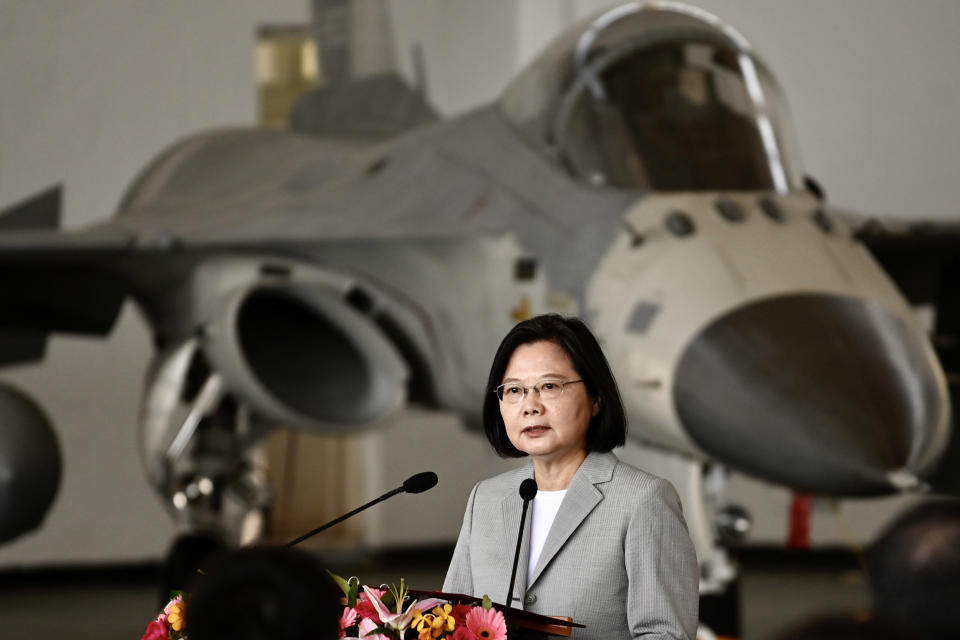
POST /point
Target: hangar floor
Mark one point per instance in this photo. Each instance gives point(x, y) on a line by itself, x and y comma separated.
point(777, 590)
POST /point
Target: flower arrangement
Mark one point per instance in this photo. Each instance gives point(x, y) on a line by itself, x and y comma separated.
point(392, 614)
point(169, 625)
point(374, 614)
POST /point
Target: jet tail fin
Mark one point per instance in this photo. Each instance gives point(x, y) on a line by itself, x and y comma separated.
point(374, 108)
point(362, 94)
point(39, 211)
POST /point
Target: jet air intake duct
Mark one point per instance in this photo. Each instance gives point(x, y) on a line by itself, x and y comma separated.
point(305, 358)
point(824, 393)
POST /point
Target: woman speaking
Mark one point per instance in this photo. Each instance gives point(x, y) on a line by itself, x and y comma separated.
point(605, 543)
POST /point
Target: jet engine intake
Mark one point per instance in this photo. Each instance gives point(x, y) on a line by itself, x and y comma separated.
point(303, 357)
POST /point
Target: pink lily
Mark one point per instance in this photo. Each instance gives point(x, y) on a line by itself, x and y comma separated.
point(428, 604)
point(366, 628)
point(400, 620)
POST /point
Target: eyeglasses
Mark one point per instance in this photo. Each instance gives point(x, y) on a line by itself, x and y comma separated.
point(513, 393)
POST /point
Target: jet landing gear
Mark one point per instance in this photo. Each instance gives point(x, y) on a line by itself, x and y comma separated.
point(200, 455)
point(716, 525)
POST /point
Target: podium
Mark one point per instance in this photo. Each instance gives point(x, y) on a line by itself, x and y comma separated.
point(521, 625)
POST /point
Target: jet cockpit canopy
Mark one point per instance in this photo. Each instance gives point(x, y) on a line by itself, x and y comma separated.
point(657, 96)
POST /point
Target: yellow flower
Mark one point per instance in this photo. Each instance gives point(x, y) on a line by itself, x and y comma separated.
point(175, 615)
point(434, 624)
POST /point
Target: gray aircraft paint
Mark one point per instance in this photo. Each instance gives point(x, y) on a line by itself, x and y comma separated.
point(412, 256)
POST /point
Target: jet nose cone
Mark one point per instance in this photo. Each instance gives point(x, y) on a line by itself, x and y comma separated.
point(819, 392)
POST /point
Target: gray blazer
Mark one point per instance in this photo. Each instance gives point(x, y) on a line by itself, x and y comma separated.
point(618, 557)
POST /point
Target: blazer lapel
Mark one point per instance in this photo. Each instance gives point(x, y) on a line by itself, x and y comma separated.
point(582, 497)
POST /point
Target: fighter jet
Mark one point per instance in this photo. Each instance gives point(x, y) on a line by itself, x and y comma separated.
point(640, 173)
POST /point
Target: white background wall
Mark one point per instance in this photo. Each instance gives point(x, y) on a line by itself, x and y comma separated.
point(90, 91)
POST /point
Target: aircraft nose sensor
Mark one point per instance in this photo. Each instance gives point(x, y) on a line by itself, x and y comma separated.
point(820, 391)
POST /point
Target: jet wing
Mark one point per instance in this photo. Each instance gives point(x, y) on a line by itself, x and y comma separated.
point(289, 336)
point(51, 280)
point(260, 186)
point(923, 259)
point(239, 191)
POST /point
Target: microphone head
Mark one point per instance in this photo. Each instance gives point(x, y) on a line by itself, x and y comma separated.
point(528, 489)
point(420, 482)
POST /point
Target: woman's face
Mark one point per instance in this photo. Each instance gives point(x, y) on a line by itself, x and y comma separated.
point(554, 428)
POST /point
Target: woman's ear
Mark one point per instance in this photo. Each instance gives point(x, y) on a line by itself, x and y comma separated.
point(596, 407)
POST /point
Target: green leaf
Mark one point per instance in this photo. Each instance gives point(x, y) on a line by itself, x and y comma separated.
point(487, 602)
point(177, 592)
point(354, 589)
point(340, 582)
point(389, 599)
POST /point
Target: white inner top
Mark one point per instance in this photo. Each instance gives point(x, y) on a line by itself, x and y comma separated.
point(545, 507)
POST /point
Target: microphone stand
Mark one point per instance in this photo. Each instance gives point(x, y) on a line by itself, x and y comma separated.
point(343, 517)
point(414, 484)
point(528, 490)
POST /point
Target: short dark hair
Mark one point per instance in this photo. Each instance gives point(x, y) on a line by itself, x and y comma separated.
point(608, 429)
point(914, 569)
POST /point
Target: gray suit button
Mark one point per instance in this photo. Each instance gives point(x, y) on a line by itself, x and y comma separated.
point(531, 599)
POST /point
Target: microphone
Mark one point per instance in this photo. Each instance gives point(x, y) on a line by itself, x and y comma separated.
point(528, 490)
point(420, 482)
point(414, 484)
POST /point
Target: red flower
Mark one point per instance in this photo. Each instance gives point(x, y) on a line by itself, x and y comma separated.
point(156, 630)
point(460, 612)
point(463, 633)
point(366, 609)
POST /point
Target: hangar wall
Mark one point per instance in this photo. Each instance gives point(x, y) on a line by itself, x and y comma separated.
point(91, 91)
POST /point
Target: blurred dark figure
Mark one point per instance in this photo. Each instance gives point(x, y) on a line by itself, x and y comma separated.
point(264, 593)
point(914, 572)
point(839, 627)
point(187, 555)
